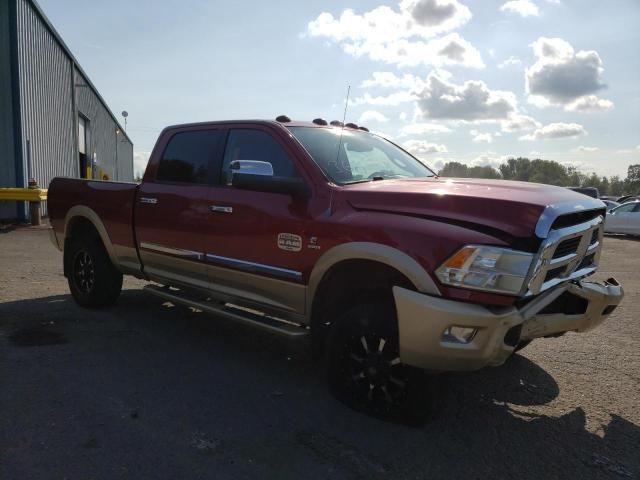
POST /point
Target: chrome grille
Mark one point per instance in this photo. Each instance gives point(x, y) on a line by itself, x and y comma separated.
point(567, 253)
point(567, 247)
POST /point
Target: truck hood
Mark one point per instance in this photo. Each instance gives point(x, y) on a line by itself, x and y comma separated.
point(498, 205)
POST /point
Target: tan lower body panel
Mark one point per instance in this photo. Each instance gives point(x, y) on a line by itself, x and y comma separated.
point(422, 321)
point(259, 290)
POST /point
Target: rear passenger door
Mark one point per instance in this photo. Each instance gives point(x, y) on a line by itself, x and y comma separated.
point(254, 244)
point(172, 206)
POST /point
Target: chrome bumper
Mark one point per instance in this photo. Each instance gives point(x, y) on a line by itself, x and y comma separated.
point(422, 321)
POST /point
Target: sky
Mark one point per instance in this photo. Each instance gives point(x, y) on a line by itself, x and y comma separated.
point(473, 81)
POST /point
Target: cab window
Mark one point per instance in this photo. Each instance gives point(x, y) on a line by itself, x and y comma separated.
point(191, 157)
point(252, 144)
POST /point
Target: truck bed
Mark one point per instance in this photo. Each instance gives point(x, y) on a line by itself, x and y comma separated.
point(109, 203)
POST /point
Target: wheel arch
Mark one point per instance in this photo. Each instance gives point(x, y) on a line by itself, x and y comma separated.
point(349, 268)
point(81, 216)
point(374, 252)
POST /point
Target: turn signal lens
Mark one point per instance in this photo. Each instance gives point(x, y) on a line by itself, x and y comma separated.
point(460, 257)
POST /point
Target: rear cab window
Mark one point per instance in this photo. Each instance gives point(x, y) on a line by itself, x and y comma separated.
point(191, 157)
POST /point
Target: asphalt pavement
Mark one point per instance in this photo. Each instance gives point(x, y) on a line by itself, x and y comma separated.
point(147, 390)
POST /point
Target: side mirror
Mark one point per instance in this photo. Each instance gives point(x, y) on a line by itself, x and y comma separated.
point(251, 167)
point(258, 176)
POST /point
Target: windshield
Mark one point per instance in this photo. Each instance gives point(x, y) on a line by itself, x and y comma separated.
point(363, 156)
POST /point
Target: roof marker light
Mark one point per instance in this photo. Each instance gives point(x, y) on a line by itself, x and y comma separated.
point(320, 121)
point(283, 119)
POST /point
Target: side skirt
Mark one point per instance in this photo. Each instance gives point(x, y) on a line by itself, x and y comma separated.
point(230, 311)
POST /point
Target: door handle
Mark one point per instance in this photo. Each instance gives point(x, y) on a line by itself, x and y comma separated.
point(149, 200)
point(221, 209)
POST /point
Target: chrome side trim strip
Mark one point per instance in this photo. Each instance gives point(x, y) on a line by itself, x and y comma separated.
point(188, 254)
point(253, 267)
point(150, 200)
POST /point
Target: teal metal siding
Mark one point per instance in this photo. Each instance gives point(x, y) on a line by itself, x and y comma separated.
point(46, 93)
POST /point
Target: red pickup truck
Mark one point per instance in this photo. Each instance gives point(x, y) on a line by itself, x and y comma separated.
point(304, 228)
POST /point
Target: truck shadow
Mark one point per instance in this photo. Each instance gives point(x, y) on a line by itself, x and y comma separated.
point(204, 392)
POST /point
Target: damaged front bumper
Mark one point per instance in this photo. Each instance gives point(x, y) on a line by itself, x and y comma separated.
point(493, 333)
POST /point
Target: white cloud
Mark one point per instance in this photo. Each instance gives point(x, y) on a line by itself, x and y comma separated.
point(400, 36)
point(403, 116)
point(391, 80)
point(556, 130)
point(582, 149)
point(481, 137)
point(471, 101)
point(140, 160)
point(451, 49)
point(372, 116)
point(518, 122)
point(562, 77)
point(393, 99)
point(489, 160)
point(423, 129)
point(589, 104)
point(524, 8)
point(422, 147)
point(509, 62)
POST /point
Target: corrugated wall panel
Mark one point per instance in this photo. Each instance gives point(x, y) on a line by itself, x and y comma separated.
point(47, 104)
point(104, 135)
point(48, 141)
point(7, 154)
point(49, 125)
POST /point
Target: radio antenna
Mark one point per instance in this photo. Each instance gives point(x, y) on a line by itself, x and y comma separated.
point(344, 118)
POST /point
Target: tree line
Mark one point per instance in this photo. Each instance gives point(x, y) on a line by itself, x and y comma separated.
point(549, 172)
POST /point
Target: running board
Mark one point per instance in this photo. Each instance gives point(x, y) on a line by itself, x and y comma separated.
point(239, 314)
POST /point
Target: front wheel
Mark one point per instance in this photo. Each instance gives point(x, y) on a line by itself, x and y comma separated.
point(93, 280)
point(365, 370)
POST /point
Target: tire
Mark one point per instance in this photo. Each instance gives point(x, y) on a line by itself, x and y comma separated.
point(364, 369)
point(93, 280)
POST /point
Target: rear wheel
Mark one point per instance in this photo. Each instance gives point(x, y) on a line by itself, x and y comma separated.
point(93, 280)
point(365, 370)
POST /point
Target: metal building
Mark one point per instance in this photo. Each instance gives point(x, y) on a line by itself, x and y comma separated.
point(53, 121)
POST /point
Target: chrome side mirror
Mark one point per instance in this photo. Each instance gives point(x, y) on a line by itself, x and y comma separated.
point(251, 167)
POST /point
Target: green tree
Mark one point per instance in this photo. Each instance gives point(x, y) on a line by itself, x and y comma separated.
point(454, 169)
point(457, 169)
point(575, 177)
point(516, 169)
point(616, 186)
point(549, 172)
point(632, 183)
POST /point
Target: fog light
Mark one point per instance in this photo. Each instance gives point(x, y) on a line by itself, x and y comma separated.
point(456, 334)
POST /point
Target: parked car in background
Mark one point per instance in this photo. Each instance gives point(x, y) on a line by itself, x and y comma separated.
point(624, 219)
point(627, 198)
point(588, 191)
point(610, 204)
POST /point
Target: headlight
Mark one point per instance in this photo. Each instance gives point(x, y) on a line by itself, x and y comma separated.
point(491, 269)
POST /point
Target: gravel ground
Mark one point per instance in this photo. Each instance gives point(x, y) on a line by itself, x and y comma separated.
point(149, 391)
